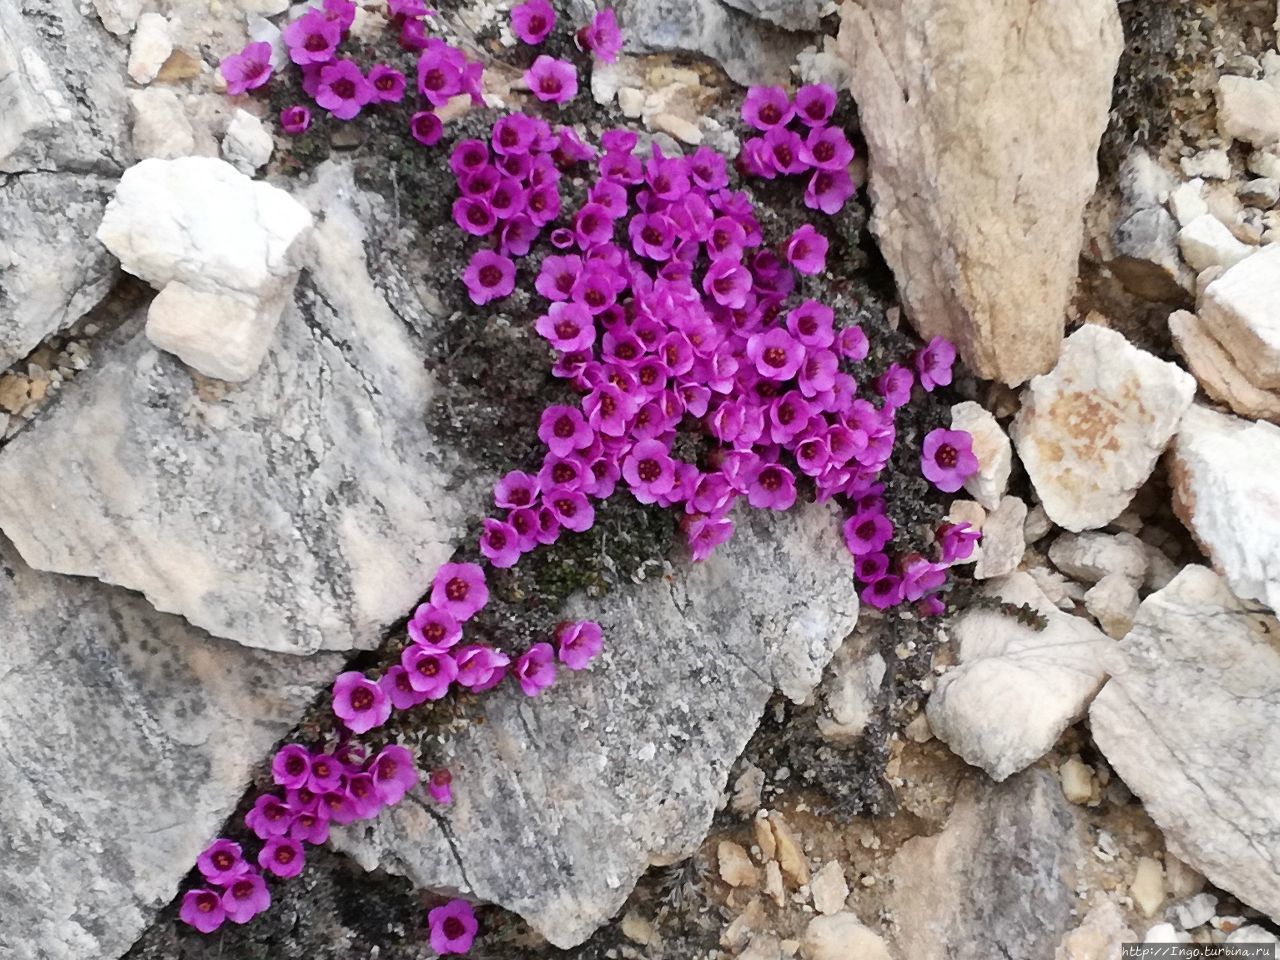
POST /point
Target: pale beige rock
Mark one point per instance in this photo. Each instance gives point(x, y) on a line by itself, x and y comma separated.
point(842, 936)
point(1223, 473)
point(1089, 433)
point(1147, 887)
point(746, 791)
point(992, 448)
point(1217, 371)
point(1182, 880)
point(763, 946)
point(180, 320)
point(680, 128)
point(1077, 780)
point(849, 694)
point(636, 928)
point(738, 933)
point(1206, 242)
point(1003, 541)
point(764, 837)
point(247, 145)
point(1186, 202)
point(1242, 309)
point(151, 46)
point(1037, 525)
point(1089, 557)
point(736, 868)
point(1099, 936)
point(829, 888)
point(1249, 110)
point(1113, 602)
point(789, 853)
point(160, 125)
point(964, 104)
point(918, 730)
point(773, 886)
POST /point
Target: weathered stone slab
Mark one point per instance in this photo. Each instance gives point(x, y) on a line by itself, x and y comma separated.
point(128, 738)
point(562, 802)
point(1191, 726)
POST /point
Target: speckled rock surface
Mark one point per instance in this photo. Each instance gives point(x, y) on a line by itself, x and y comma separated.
point(563, 801)
point(751, 51)
point(983, 122)
point(302, 510)
point(1209, 776)
point(52, 270)
point(129, 736)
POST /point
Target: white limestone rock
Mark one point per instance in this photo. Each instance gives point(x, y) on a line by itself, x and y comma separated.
point(1015, 688)
point(1091, 556)
point(248, 144)
point(964, 104)
point(992, 448)
point(1190, 725)
point(849, 696)
point(1223, 472)
point(1249, 110)
point(118, 16)
point(1242, 310)
point(161, 127)
point(1186, 201)
point(1113, 602)
point(1003, 541)
point(841, 936)
point(225, 239)
point(151, 46)
point(1089, 432)
point(1206, 242)
point(1217, 371)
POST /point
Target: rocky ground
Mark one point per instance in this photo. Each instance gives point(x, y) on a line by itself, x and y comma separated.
point(1085, 197)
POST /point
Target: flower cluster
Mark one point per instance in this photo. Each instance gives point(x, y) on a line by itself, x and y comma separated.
point(339, 86)
point(795, 139)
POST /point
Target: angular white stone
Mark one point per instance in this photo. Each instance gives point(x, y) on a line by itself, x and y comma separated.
point(991, 446)
point(840, 937)
point(1089, 432)
point(247, 144)
point(1190, 726)
point(198, 222)
point(1217, 371)
point(1113, 601)
point(1015, 688)
point(1242, 309)
point(829, 888)
point(1091, 556)
point(963, 108)
point(1186, 202)
point(1205, 242)
point(161, 127)
point(118, 16)
point(1223, 471)
point(152, 44)
point(1003, 542)
point(1249, 110)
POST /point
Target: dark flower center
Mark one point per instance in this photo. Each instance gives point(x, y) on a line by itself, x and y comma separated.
point(549, 84)
point(242, 890)
point(563, 473)
point(315, 43)
point(476, 214)
point(457, 589)
point(564, 426)
point(207, 903)
point(865, 530)
point(800, 251)
point(361, 699)
point(295, 765)
point(589, 223)
point(537, 24)
point(490, 276)
point(652, 236)
point(775, 356)
point(344, 88)
point(433, 79)
point(428, 667)
point(385, 82)
point(321, 770)
point(649, 470)
point(770, 113)
point(285, 854)
point(537, 202)
point(786, 413)
point(497, 539)
point(403, 684)
point(453, 928)
point(808, 325)
point(273, 811)
point(608, 405)
point(723, 284)
point(223, 860)
point(770, 479)
point(946, 456)
point(594, 297)
point(387, 768)
point(434, 632)
point(566, 329)
point(824, 151)
point(782, 153)
point(567, 507)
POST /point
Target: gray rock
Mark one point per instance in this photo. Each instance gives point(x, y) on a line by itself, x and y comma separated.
point(52, 270)
point(129, 738)
point(62, 90)
point(1147, 260)
point(788, 14)
point(300, 511)
point(751, 51)
point(1190, 728)
point(1263, 193)
point(997, 881)
point(562, 802)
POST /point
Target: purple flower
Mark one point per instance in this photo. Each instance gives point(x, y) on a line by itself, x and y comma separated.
point(815, 103)
point(931, 606)
point(883, 593)
point(827, 148)
point(870, 567)
point(956, 541)
point(404, 9)
point(440, 786)
point(295, 120)
point(775, 353)
point(895, 385)
point(221, 862)
point(783, 151)
point(766, 107)
point(413, 35)
point(500, 543)
point(362, 794)
point(728, 282)
point(270, 817)
point(772, 487)
point(933, 362)
point(947, 459)
point(480, 667)
point(246, 70)
point(652, 235)
point(552, 80)
point(515, 489)
point(489, 276)
point(920, 577)
point(453, 927)
point(571, 508)
point(580, 642)
point(282, 856)
point(343, 89)
point(532, 21)
point(515, 133)
point(359, 702)
point(326, 773)
point(811, 324)
point(309, 827)
point(649, 470)
point(431, 672)
point(568, 326)
point(828, 190)
point(535, 669)
point(398, 686)
point(312, 38)
point(852, 343)
point(247, 897)
point(394, 773)
point(291, 766)
point(704, 534)
point(807, 250)
point(867, 531)
point(468, 156)
point(387, 82)
point(341, 11)
point(203, 910)
point(460, 589)
point(426, 128)
point(434, 627)
point(592, 226)
point(474, 215)
point(439, 74)
point(602, 36)
point(564, 430)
